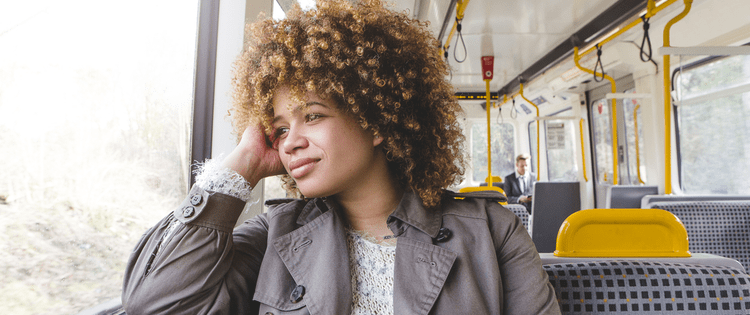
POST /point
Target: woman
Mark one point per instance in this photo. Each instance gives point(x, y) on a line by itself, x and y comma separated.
point(350, 104)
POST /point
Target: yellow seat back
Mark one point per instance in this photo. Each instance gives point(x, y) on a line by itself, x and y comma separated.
point(495, 179)
point(484, 188)
point(622, 233)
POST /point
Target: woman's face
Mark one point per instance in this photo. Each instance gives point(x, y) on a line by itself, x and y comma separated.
point(326, 151)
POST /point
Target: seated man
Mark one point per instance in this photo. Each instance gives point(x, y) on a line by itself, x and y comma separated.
point(518, 185)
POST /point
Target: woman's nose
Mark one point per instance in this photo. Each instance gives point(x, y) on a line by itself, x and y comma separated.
point(295, 139)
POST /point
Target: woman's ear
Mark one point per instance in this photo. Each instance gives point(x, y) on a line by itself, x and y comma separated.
point(377, 140)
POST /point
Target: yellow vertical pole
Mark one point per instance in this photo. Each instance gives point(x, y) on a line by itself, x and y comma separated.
point(538, 163)
point(489, 135)
point(615, 157)
point(583, 152)
point(668, 102)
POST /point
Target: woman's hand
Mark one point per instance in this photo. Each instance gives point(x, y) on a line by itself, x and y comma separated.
point(254, 157)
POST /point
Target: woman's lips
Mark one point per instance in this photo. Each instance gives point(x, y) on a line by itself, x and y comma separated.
point(301, 167)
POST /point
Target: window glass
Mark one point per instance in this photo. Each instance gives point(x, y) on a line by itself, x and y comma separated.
point(532, 145)
point(503, 149)
point(602, 141)
point(714, 133)
point(636, 168)
point(272, 187)
point(278, 12)
point(95, 115)
point(719, 74)
point(561, 155)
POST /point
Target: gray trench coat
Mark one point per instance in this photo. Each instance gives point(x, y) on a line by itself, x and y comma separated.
point(469, 256)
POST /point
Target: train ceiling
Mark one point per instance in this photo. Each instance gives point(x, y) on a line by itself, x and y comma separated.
point(518, 33)
point(525, 36)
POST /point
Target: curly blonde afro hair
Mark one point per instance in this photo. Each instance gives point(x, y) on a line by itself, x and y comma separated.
point(381, 67)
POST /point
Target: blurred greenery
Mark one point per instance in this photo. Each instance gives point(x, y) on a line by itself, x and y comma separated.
point(95, 114)
point(503, 150)
point(715, 134)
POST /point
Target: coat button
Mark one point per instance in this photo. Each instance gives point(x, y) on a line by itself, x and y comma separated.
point(196, 199)
point(443, 235)
point(297, 294)
point(188, 211)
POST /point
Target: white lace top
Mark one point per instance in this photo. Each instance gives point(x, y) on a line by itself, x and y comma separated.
point(371, 267)
point(213, 176)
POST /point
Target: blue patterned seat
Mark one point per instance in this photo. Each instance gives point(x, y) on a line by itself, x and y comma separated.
point(520, 212)
point(638, 287)
point(715, 227)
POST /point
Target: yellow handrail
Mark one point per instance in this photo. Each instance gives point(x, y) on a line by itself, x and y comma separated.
point(538, 163)
point(615, 160)
point(637, 149)
point(489, 134)
point(668, 102)
point(650, 11)
point(583, 152)
point(460, 8)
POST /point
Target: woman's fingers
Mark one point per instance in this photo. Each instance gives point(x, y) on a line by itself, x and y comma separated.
point(254, 157)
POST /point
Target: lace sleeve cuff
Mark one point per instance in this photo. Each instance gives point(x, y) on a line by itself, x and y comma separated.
point(213, 176)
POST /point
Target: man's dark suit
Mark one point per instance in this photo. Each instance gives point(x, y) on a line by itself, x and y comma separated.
point(513, 189)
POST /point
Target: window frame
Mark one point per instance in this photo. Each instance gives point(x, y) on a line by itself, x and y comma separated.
point(532, 144)
point(205, 79)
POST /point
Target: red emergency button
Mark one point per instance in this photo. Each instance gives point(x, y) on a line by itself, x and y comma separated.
point(488, 65)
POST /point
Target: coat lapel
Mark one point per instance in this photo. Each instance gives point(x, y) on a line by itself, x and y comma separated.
point(421, 267)
point(316, 257)
point(420, 272)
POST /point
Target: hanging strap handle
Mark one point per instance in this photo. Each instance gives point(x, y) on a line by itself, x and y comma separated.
point(645, 56)
point(598, 65)
point(459, 36)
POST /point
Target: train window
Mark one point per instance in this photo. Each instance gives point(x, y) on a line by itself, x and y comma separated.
point(636, 171)
point(561, 155)
point(713, 109)
point(272, 187)
point(503, 150)
point(95, 112)
point(602, 124)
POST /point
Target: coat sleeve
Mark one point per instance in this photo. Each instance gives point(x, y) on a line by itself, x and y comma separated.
point(526, 286)
point(195, 262)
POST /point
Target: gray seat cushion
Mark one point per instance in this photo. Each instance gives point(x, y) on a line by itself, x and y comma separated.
point(636, 287)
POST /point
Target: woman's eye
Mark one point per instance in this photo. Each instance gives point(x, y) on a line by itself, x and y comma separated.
point(280, 132)
point(311, 117)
